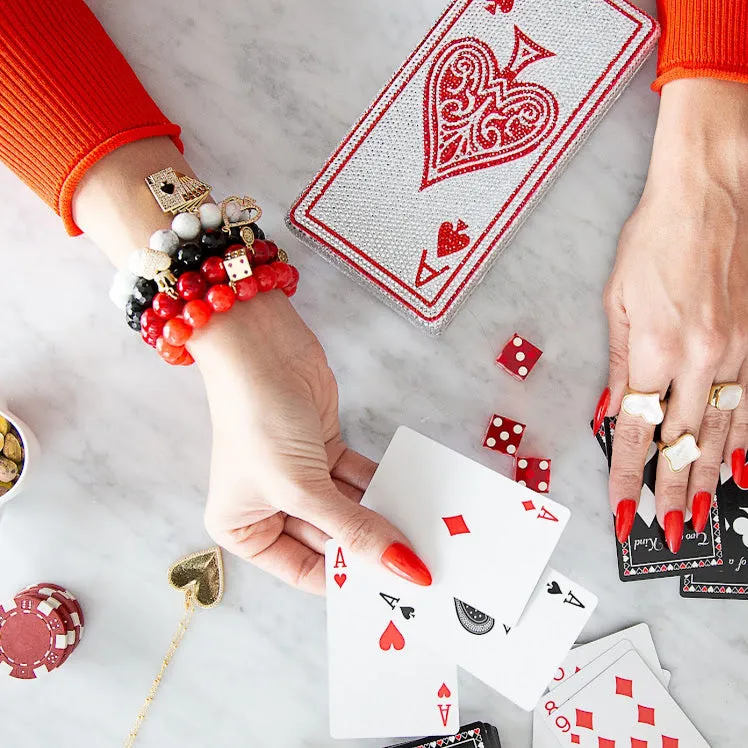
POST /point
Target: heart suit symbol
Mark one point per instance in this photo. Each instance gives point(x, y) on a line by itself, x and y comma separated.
point(340, 579)
point(444, 692)
point(391, 638)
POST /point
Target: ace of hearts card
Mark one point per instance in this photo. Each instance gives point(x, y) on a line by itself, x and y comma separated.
point(382, 681)
point(438, 174)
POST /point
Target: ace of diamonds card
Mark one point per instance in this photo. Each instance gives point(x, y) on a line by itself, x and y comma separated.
point(430, 185)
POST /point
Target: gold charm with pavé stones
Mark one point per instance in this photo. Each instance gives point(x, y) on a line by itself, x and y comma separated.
point(175, 192)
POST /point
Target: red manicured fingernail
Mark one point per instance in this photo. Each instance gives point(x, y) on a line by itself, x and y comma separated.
point(401, 560)
point(674, 530)
point(625, 514)
point(702, 503)
point(738, 465)
point(601, 410)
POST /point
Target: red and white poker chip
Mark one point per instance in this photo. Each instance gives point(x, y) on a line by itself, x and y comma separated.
point(53, 598)
point(67, 601)
point(33, 637)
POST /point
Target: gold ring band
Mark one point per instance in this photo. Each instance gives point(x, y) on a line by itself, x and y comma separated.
point(645, 405)
point(726, 395)
point(681, 453)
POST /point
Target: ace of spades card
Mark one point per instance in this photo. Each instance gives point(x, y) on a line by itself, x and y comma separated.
point(382, 681)
point(438, 174)
point(730, 580)
point(645, 554)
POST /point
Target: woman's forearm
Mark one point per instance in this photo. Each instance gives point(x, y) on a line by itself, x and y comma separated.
point(113, 205)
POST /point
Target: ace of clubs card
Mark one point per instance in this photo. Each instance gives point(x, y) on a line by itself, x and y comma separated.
point(382, 681)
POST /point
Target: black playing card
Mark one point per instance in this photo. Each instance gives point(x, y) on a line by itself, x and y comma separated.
point(731, 579)
point(645, 554)
point(474, 735)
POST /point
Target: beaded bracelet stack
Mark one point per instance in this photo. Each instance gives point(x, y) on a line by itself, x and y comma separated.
point(211, 256)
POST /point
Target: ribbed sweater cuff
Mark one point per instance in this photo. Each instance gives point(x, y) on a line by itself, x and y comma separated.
point(702, 38)
point(67, 98)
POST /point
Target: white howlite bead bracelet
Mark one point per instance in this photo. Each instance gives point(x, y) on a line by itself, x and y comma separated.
point(210, 216)
point(186, 225)
point(164, 240)
point(121, 288)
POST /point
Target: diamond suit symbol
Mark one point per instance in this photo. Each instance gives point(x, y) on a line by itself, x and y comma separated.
point(636, 743)
point(670, 742)
point(456, 525)
point(646, 715)
point(528, 505)
point(624, 687)
point(605, 743)
point(575, 738)
point(584, 719)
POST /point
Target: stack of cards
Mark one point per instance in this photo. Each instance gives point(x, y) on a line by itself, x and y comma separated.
point(713, 563)
point(474, 735)
point(493, 608)
point(613, 692)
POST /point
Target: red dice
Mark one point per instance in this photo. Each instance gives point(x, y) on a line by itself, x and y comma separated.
point(533, 472)
point(503, 435)
point(518, 357)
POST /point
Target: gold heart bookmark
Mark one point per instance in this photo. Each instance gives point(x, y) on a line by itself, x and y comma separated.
point(200, 577)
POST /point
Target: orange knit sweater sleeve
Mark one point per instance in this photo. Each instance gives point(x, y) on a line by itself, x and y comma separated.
point(67, 98)
point(702, 39)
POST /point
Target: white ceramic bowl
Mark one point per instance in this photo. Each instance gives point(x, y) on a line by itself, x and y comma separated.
point(31, 449)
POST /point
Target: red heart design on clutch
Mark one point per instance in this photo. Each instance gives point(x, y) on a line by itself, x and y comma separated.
point(340, 579)
point(451, 240)
point(391, 638)
point(476, 114)
point(444, 692)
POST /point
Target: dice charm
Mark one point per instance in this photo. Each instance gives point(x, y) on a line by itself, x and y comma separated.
point(533, 472)
point(518, 357)
point(503, 435)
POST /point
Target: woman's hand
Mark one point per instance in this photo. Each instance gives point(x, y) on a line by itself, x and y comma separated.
point(282, 478)
point(677, 303)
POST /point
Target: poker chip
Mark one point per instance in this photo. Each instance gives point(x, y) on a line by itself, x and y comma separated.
point(39, 629)
point(67, 612)
point(33, 637)
point(67, 600)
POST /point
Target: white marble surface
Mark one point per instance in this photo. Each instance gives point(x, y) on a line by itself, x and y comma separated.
point(264, 91)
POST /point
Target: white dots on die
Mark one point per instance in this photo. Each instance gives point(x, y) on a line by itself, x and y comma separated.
point(497, 421)
point(518, 341)
point(521, 483)
point(522, 464)
point(186, 226)
point(543, 465)
point(522, 371)
point(517, 429)
point(542, 486)
point(490, 442)
point(511, 449)
point(520, 356)
point(504, 435)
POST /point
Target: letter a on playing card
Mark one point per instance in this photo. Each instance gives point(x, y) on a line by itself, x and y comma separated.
point(470, 132)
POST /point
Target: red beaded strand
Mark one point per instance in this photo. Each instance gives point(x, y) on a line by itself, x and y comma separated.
point(169, 324)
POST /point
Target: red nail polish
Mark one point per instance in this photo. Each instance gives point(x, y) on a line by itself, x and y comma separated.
point(625, 514)
point(738, 465)
point(602, 408)
point(674, 530)
point(702, 503)
point(401, 560)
